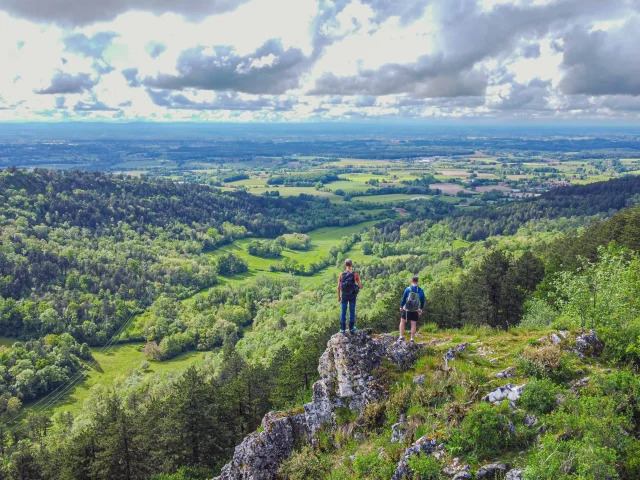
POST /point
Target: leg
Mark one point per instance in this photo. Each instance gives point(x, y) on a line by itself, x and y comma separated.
point(413, 329)
point(343, 316)
point(403, 323)
point(352, 314)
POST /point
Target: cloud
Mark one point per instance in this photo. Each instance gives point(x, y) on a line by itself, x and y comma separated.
point(91, 47)
point(77, 13)
point(95, 106)
point(223, 101)
point(530, 96)
point(602, 63)
point(532, 51)
point(65, 83)
point(131, 76)
point(60, 102)
point(271, 69)
point(467, 35)
point(155, 49)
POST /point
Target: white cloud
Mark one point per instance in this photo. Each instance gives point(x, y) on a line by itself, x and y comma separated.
point(288, 60)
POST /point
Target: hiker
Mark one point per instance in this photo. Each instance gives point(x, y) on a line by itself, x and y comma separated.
point(411, 306)
point(348, 287)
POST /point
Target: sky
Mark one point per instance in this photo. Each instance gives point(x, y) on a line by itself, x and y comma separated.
point(319, 60)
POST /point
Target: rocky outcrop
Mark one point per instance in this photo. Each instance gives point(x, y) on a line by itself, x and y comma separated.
point(507, 373)
point(399, 430)
point(260, 455)
point(589, 345)
point(423, 445)
point(347, 380)
point(515, 474)
point(494, 471)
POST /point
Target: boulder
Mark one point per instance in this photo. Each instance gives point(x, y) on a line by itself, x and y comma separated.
point(463, 476)
point(589, 345)
point(493, 471)
point(530, 420)
point(261, 454)
point(423, 445)
point(419, 379)
point(399, 430)
point(509, 391)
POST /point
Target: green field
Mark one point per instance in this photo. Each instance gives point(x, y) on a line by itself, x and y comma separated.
point(118, 362)
point(7, 342)
point(390, 198)
point(321, 241)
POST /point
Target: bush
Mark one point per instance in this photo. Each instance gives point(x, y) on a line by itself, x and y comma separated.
point(572, 459)
point(264, 248)
point(547, 362)
point(373, 466)
point(539, 396)
point(230, 264)
point(305, 465)
point(483, 432)
point(425, 467)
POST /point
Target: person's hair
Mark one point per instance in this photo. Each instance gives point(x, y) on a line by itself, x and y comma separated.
point(348, 262)
point(414, 279)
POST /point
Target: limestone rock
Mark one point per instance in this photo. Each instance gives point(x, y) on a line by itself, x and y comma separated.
point(260, 454)
point(399, 430)
point(493, 471)
point(451, 354)
point(463, 476)
point(423, 445)
point(509, 391)
point(589, 345)
point(530, 420)
point(515, 474)
point(507, 373)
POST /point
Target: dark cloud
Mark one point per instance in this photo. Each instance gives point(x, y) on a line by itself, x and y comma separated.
point(131, 76)
point(467, 35)
point(531, 96)
point(271, 69)
point(531, 51)
point(91, 47)
point(602, 63)
point(74, 13)
point(223, 101)
point(60, 102)
point(155, 49)
point(421, 79)
point(95, 106)
point(65, 83)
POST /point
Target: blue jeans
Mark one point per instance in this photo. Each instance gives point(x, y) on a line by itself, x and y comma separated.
point(352, 314)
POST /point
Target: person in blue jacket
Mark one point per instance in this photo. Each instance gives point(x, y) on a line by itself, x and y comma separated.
point(411, 306)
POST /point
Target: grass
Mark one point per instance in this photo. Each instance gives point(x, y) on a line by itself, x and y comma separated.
point(118, 362)
point(321, 241)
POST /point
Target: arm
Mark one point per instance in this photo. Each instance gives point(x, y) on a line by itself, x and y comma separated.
point(357, 278)
point(422, 299)
point(339, 290)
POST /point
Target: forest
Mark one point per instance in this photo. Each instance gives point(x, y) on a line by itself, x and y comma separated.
point(78, 247)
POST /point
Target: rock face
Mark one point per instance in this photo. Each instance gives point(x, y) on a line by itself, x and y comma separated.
point(347, 380)
point(423, 445)
point(260, 454)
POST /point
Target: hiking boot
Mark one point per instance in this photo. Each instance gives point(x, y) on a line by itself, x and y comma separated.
point(353, 329)
point(341, 330)
point(413, 340)
point(400, 340)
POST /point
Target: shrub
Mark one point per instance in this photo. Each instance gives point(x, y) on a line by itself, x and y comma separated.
point(305, 465)
point(548, 361)
point(425, 467)
point(483, 432)
point(539, 396)
point(373, 466)
point(571, 459)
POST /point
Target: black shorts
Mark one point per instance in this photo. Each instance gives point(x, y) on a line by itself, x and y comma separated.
point(411, 316)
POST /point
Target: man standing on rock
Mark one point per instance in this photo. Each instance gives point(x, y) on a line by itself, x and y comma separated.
point(348, 287)
point(411, 306)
